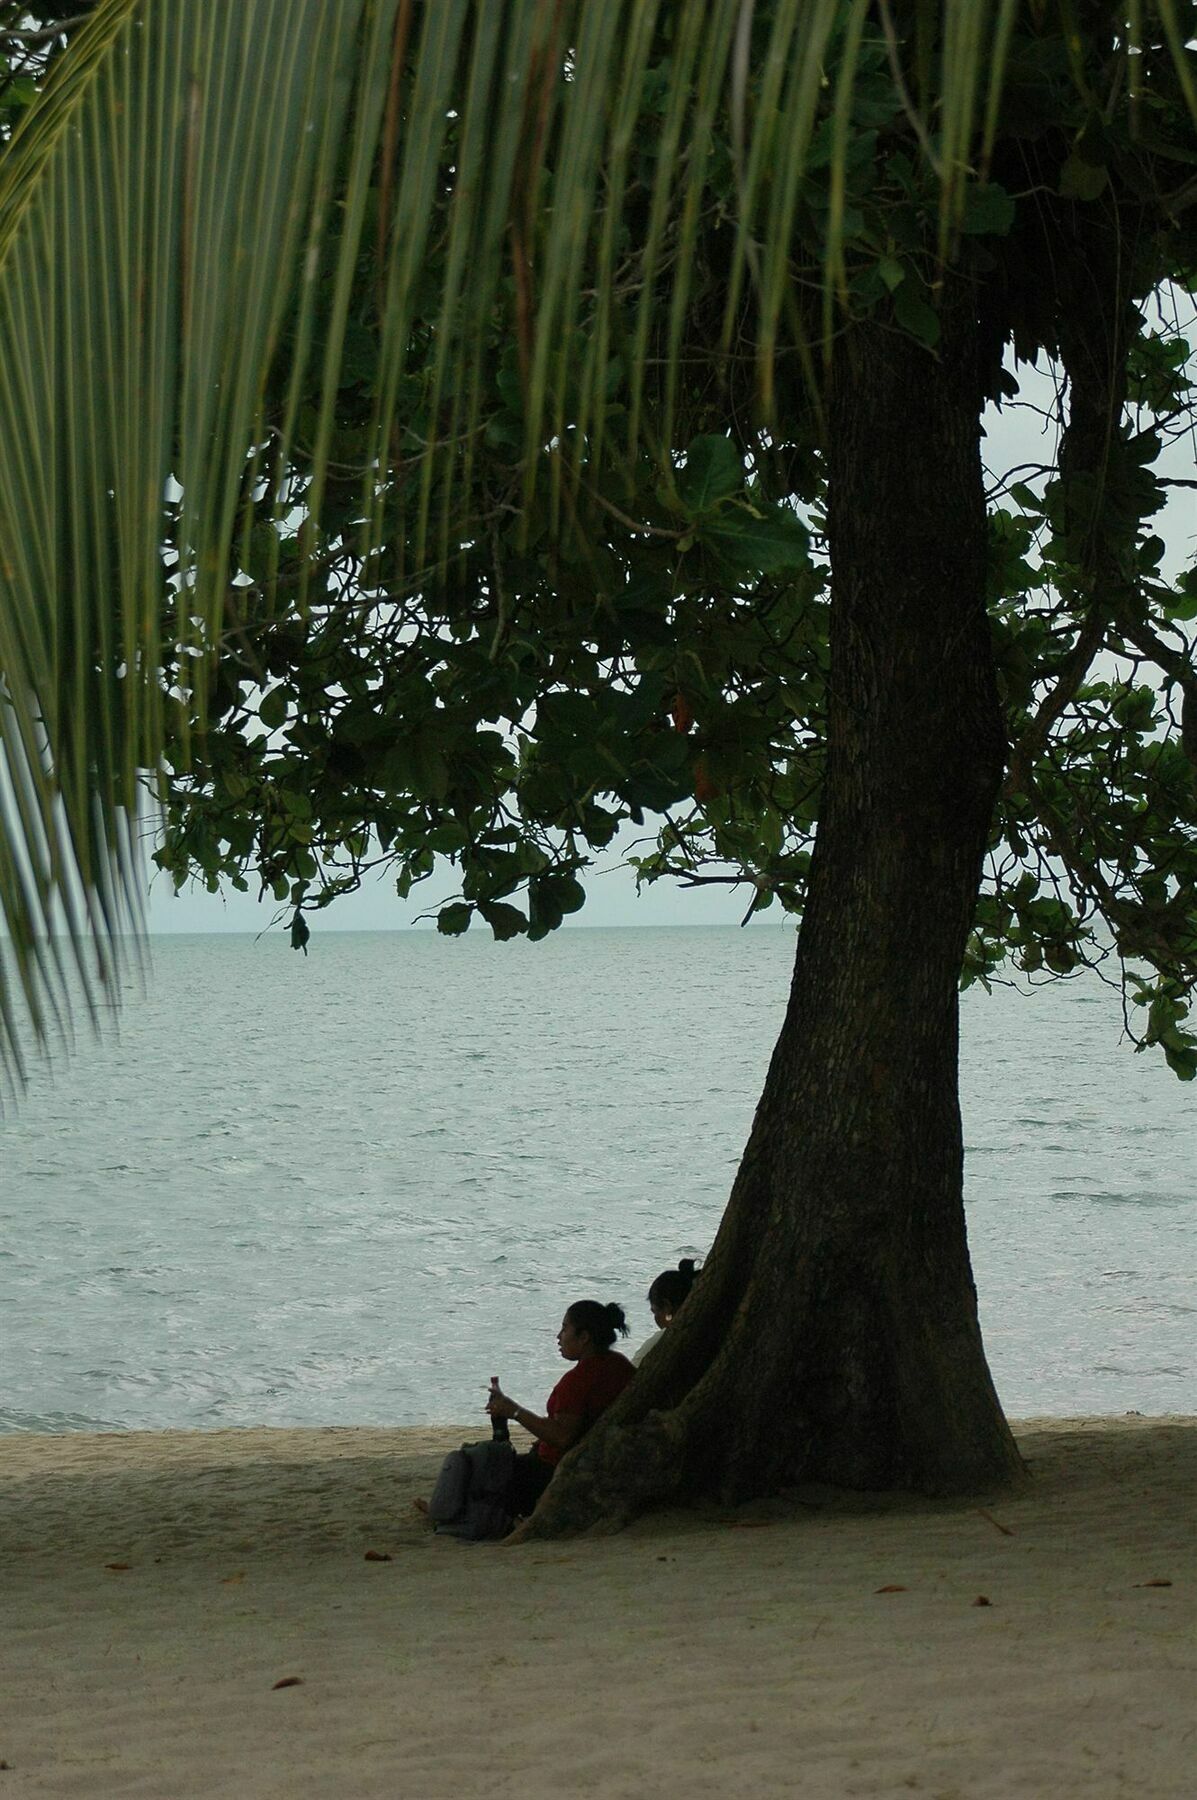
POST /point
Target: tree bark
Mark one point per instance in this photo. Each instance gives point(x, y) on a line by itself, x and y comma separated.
point(833, 1334)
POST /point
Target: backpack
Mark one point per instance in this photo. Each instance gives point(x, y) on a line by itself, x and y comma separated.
point(472, 1496)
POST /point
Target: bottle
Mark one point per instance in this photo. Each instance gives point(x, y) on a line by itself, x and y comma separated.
point(498, 1426)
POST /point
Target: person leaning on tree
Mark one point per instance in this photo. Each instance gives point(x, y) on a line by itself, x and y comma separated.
point(601, 1373)
point(664, 1297)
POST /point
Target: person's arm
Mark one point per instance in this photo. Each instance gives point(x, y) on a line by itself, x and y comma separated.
point(560, 1432)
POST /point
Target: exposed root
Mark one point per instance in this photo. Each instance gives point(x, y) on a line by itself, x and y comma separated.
point(616, 1473)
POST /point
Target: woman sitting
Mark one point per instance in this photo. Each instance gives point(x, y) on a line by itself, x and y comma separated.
point(588, 1331)
point(664, 1297)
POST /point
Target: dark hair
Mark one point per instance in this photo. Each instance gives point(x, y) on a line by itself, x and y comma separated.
point(672, 1285)
point(601, 1323)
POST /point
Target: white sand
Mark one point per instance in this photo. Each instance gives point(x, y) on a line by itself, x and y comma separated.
point(695, 1655)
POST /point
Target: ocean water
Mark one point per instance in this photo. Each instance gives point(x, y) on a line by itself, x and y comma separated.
point(346, 1188)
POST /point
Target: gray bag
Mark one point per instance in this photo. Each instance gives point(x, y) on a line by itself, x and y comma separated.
point(472, 1496)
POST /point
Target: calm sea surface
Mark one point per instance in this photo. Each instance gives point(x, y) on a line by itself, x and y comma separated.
point(346, 1189)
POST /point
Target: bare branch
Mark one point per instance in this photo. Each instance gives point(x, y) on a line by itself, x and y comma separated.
point(45, 34)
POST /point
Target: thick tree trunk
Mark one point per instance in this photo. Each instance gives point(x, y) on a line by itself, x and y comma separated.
point(833, 1334)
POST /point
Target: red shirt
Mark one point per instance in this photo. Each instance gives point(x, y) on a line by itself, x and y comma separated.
point(587, 1391)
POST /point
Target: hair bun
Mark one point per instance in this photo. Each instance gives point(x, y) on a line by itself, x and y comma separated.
point(672, 1285)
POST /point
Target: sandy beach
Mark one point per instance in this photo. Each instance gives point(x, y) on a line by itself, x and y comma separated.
point(159, 1587)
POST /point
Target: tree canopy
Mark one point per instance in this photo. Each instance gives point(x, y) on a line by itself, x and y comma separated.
point(544, 639)
point(494, 419)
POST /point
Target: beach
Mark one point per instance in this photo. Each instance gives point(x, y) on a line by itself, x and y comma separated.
point(261, 1614)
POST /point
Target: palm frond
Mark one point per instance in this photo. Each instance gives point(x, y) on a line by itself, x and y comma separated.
point(153, 212)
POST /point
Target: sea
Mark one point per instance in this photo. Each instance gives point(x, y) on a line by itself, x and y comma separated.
point(346, 1188)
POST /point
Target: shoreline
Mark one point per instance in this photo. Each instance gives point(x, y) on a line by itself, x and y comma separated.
point(159, 1585)
point(1024, 1422)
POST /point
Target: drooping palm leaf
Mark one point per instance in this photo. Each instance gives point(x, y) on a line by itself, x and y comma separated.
point(153, 214)
point(197, 182)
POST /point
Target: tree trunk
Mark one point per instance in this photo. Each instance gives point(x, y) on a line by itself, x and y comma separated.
point(833, 1334)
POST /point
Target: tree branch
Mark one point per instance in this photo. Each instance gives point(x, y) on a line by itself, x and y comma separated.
point(45, 34)
point(1076, 665)
point(1175, 664)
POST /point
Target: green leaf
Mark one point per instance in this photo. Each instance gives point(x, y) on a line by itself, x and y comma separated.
point(550, 898)
point(298, 804)
point(1182, 1062)
point(417, 767)
point(760, 541)
point(264, 551)
point(1182, 603)
point(505, 921)
point(713, 471)
point(1027, 498)
point(567, 892)
point(988, 210)
point(1080, 180)
point(914, 315)
point(453, 920)
point(891, 272)
point(273, 710)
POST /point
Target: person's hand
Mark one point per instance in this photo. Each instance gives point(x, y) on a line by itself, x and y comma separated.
point(499, 1406)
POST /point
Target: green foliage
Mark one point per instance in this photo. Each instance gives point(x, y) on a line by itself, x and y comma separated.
point(501, 456)
point(655, 642)
point(1167, 1004)
point(713, 470)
